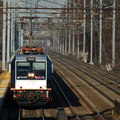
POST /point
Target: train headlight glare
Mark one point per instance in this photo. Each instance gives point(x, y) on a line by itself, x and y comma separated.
point(31, 75)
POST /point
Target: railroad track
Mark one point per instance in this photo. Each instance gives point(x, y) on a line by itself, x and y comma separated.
point(108, 77)
point(80, 73)
point(95, 72)
point(93, 67)
point(109, 83)
point(27, 114)
point(75, 114)
point(100, 93)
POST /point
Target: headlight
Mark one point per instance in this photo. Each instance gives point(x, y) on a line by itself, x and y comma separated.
point(31, 75)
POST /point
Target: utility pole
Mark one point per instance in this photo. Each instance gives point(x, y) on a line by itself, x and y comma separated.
point(8, 33)
point(113, 34)
point(78, 44)
point(69, 33)
point(12, 27)
point(31, 34)
point(84, 27)
point(73, 33)
point(4, 36)
point(91, 40)
point(100, 35)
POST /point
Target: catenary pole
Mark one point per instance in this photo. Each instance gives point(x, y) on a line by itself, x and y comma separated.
point(84, 28)
point(91, 39)
point(12, 27)
point(8, 33)
point(69, 33)
point(100, 35)
point(113, 34)
point(4, 37)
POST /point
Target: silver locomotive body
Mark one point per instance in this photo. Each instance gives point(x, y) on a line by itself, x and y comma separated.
point(31, 79)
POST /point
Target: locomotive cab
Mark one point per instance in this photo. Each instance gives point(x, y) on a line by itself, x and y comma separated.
point(30, 79)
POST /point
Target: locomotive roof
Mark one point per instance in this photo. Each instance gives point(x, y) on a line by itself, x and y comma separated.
point(24, 56)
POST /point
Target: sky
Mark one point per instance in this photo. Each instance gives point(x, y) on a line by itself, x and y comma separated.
point(40, 4)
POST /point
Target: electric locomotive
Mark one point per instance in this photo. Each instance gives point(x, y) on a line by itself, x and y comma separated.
point(31, 72)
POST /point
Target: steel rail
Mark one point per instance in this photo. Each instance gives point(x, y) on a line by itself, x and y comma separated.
point(42, 112)
point(95, 68)
point(19, 114)
point(116, 91)
point(66, 98)
point(101, 117)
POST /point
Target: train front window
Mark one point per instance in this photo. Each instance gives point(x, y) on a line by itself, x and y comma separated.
point(39, 70)
point(22, 69)
point(26, 69)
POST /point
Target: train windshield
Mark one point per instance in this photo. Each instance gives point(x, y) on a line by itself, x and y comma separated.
point(31, 70)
